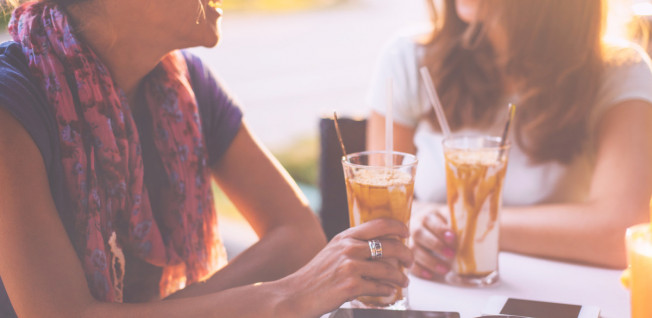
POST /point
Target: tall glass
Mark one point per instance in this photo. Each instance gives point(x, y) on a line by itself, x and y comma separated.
point(379, 190)
point(639, 258)
point(475, 170)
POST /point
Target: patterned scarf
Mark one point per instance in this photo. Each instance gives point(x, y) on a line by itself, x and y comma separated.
point(103, 163)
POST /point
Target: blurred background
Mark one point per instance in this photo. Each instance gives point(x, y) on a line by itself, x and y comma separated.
point(289, 62)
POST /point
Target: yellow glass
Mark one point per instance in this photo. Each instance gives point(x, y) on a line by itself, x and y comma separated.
point(375, 190)
point(639, 259)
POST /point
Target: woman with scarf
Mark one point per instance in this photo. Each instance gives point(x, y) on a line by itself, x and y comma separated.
point(579, 170)
point(110, 136)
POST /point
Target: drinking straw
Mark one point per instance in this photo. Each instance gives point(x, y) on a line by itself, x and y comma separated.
point(434, 100)
point(503, 140)
point(389, 125)
point(339, 134)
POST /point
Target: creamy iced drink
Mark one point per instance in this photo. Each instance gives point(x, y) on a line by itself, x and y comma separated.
point(475, 170)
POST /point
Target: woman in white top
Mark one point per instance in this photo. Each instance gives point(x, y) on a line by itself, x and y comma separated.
point(580, 167)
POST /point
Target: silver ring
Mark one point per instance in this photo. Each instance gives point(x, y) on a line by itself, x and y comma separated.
point(376, 249)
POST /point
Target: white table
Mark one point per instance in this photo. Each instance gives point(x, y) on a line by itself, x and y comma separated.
point(529, 278)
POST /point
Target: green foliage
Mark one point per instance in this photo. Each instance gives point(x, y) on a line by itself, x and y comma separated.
point(300, 159)
point(4, 19)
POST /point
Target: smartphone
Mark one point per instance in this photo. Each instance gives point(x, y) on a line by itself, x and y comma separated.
point(537, 309)
point(378, 313)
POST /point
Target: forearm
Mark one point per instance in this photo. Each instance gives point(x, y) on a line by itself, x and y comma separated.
point(277, 254)
point(263, 300)
point(588, 233)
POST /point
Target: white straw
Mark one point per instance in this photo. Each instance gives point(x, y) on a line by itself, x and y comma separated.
point(434, 100)
point(389, 124)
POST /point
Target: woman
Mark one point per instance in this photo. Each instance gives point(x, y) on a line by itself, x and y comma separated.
point(579, 168)
point(109, 138)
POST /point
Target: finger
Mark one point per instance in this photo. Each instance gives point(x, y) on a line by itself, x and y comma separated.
point(385, 273)
point(351, 247)
point(355, 249)
point(440, 214)
point(378, 228)
point(430, 262)
point(434, 224)
point(431, 242)
point(370, 287)
point(422, 272)
point(395, 249)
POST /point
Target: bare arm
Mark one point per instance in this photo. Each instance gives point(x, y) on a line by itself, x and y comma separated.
point(403, 135)
point(40, 269)
point(44, 278)
point(593, 232)
point(261, 189)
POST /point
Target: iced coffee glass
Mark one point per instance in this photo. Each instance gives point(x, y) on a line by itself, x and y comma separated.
point(639, 259)
point(475, 170)
point(376, 189)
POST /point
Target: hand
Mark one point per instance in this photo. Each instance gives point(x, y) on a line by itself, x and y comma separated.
point(433, 241)
point(343, 270)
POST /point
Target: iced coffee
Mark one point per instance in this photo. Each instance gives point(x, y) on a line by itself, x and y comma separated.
point(378, 190)
point(475, 170)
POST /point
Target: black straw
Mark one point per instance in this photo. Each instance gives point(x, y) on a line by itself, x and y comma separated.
point(339, 134)
point(503, 140)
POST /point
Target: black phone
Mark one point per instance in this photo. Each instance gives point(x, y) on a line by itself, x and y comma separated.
point(538, 309)
point(378, 313)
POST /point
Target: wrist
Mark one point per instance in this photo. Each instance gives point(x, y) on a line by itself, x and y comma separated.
point(286, 301)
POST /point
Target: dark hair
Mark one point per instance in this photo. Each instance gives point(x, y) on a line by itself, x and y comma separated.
point(555, 54)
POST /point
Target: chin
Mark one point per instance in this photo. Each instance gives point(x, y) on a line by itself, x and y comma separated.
point(211, 35)
point(207, 42)
point(211, 41)
point(467, 16)
point(205, 36)
point(466, 13)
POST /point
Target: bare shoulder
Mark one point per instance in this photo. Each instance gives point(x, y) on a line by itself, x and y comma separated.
point(631, 111)
point(628, 119)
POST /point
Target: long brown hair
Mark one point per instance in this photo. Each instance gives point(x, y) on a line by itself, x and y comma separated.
point(554, 54)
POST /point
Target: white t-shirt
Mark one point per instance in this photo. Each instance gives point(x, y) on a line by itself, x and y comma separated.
point(627, 78)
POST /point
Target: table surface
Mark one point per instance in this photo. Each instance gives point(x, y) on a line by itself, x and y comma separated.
point(529, 278)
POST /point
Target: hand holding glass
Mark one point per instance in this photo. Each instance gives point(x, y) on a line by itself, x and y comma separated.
point(377, 189)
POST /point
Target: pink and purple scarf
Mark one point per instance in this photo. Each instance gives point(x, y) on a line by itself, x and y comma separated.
point(103, 163)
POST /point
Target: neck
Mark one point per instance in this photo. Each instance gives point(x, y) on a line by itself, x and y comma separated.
point(112, 35)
